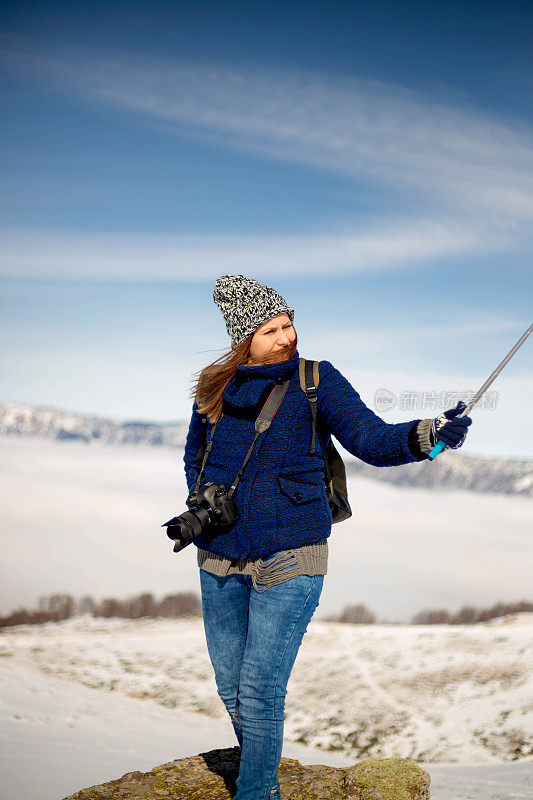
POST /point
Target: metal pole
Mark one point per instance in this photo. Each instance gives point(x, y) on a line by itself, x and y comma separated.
point(440, 445)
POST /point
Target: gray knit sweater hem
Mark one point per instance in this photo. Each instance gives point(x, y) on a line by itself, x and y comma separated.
point(311, 559)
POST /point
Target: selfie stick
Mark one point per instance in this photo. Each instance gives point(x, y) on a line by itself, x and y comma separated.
point(440, 445)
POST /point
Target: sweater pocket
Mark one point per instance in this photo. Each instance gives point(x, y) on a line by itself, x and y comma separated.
point(299, 490)
point(303, 514)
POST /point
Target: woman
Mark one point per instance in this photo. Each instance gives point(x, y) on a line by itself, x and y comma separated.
point(261, 579)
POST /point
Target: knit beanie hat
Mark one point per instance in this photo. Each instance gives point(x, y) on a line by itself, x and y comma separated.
point(245, 304)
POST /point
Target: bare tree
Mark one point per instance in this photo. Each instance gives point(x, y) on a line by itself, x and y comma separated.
point(501, 609)
point(142, 605)
point(357, 614)
point(429, 616)
point(109, 607)
point(178, 605)
point(86, 605)
point(58, 606)
point(466, 615)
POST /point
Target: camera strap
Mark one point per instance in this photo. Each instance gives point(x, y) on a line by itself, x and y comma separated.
point(207, 450)
point(262, 424)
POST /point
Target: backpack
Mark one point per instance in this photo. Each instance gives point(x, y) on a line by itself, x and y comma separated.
point(335, 471)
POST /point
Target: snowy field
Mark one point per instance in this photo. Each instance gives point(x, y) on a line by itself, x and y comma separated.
point(86, 700)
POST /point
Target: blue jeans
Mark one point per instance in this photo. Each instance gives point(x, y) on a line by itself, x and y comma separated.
point(253, 639)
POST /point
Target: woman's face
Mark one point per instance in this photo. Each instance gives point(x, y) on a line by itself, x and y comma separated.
point(275, 337)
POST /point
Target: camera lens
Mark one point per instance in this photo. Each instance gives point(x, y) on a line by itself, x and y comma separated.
point(192, 523)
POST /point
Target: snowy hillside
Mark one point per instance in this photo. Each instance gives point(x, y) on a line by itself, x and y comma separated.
point(25, 420)
point(452, 470)
point(440, 693)
point(59, 735)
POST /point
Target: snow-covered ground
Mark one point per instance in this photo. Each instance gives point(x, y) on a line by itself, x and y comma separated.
point(85, 700)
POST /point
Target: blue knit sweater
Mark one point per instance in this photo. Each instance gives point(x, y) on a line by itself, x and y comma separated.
point(281, 497)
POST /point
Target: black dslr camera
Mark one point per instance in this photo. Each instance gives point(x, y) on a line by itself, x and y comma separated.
point(210, 506)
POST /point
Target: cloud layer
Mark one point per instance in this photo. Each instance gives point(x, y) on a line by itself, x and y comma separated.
point(42, 254)
point(465, 177)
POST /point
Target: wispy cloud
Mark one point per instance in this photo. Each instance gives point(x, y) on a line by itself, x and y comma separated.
point(39, 253)
point(473, 171)
point(351, 125)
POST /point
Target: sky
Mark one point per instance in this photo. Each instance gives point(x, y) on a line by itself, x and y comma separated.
point(372, 162)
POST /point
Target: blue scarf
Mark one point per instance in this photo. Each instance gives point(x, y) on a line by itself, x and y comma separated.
point(250, 386)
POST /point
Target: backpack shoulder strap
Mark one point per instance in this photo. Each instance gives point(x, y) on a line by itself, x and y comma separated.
point(309, 374)
point(309, 378)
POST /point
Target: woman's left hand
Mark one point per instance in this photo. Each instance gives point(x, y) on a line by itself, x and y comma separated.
point(450, 428)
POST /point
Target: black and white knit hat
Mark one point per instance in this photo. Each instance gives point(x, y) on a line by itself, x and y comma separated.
point(245, 304)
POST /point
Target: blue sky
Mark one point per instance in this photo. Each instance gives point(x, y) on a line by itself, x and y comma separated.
point(373, 162)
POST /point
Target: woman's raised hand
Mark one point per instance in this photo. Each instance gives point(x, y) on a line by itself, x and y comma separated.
point(450, 428)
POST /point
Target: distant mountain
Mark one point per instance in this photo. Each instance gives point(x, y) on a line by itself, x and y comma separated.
point(24, 420)
point(451, 470)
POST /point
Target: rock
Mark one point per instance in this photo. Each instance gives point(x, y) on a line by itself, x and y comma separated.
point(212, 776)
